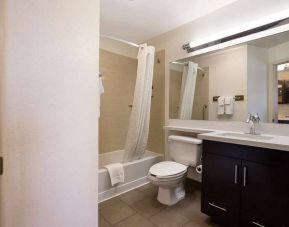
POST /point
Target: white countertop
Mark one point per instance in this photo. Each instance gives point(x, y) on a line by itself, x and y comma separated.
point(277, 142)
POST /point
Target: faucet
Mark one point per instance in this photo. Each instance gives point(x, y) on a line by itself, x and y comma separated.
point(252, 121)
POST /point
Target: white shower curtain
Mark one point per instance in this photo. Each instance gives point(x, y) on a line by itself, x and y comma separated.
point(188, 91)
point(137, 136)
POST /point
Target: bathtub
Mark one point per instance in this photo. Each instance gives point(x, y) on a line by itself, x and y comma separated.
point(135, 173)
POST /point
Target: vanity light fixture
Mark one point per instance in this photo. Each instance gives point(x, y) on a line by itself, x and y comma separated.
point(197, 45)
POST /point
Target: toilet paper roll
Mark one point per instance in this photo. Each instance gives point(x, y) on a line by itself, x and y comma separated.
point(199, 169)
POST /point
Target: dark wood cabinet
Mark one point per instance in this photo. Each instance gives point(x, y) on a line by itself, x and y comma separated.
point(245, 186)
point(220, 188)
point(265, 194)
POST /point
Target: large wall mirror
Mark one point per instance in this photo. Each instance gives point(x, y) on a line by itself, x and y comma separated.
point(227, 84)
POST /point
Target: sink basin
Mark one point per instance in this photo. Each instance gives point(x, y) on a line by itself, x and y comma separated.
point(246, 136)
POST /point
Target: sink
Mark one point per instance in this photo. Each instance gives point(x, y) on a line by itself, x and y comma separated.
point(246, 136)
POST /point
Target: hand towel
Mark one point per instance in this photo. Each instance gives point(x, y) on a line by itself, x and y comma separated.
point(229, 105)
point(116, 173)
point(221, 106)
point(228, 100)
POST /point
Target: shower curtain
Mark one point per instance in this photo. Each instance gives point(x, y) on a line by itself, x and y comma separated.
point(188, 91)
point(137, 136)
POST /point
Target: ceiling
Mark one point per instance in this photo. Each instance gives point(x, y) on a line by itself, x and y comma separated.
point(140, 20)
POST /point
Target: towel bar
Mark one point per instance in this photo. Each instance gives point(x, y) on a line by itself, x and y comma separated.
point(237, 98)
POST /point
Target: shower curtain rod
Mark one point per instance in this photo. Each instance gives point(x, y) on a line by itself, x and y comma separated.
point(185, 63)
point(120, 40)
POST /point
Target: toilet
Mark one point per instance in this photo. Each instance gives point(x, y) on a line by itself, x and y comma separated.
point(169, 176)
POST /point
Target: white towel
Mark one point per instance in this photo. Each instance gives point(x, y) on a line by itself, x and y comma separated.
point(229, 105)
point(116, 173)
point(228, 100)
point(221, 106)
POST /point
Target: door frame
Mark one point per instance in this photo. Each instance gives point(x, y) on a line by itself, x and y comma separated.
point(273, 108)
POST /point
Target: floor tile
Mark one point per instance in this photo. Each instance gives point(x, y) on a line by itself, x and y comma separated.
point(102, 222)
point(140, 208)
point(206, 223)
point(109, 202)
point(168, 218)
point(116, 213)
point(135, 221)
point(132, 196)
point(148, 206)
point(190, 207)
point(152, 191)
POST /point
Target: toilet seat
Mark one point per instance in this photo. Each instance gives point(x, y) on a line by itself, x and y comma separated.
point(167, 170)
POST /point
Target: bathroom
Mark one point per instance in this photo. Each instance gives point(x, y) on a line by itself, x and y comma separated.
point(143, 113)
point(223, 91)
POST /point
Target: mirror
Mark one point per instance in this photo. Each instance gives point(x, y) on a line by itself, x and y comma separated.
point(227, 84)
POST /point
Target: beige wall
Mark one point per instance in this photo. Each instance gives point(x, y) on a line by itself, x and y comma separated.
point(227, 77)
point(118, 47)
point(119, 75)
point(156, 134)
point(175, 92)
point(201, 96)
point(49, 124)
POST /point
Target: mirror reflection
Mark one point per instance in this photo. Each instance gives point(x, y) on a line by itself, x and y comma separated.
point(227, 84)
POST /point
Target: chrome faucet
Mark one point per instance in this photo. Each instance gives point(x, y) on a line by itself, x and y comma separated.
point(252, 121)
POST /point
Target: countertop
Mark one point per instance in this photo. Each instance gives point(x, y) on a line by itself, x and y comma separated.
point(276, 142)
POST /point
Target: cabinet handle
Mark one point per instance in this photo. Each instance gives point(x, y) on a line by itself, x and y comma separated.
point(258, 224)
point(236, 174)
point(245, 177)
point(218, 207)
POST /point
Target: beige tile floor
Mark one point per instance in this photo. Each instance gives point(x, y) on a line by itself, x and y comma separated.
point(140, 208)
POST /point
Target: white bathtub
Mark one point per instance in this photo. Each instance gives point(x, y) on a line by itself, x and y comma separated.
point(135, 173)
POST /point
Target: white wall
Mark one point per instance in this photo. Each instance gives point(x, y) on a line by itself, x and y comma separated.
point(257, 74)
point(1, 87)
point(49, 114)
point(279, 53)
point(227, 77)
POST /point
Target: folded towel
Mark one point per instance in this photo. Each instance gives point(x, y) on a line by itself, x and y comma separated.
point(221, 106)
point(116, 173)
point(229, 105)
point(221, 101)
point(228, 100)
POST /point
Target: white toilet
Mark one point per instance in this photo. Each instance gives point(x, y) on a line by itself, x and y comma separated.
point(169, 176)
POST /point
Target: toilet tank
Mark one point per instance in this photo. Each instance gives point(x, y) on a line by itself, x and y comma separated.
point(185, 150)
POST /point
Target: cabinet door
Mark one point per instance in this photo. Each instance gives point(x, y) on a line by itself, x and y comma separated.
point(221, 189)
point(265, 194)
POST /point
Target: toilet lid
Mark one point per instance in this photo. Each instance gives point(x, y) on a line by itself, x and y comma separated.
point(167, 168)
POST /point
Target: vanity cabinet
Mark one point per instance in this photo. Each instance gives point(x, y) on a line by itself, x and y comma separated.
point(245, 186)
